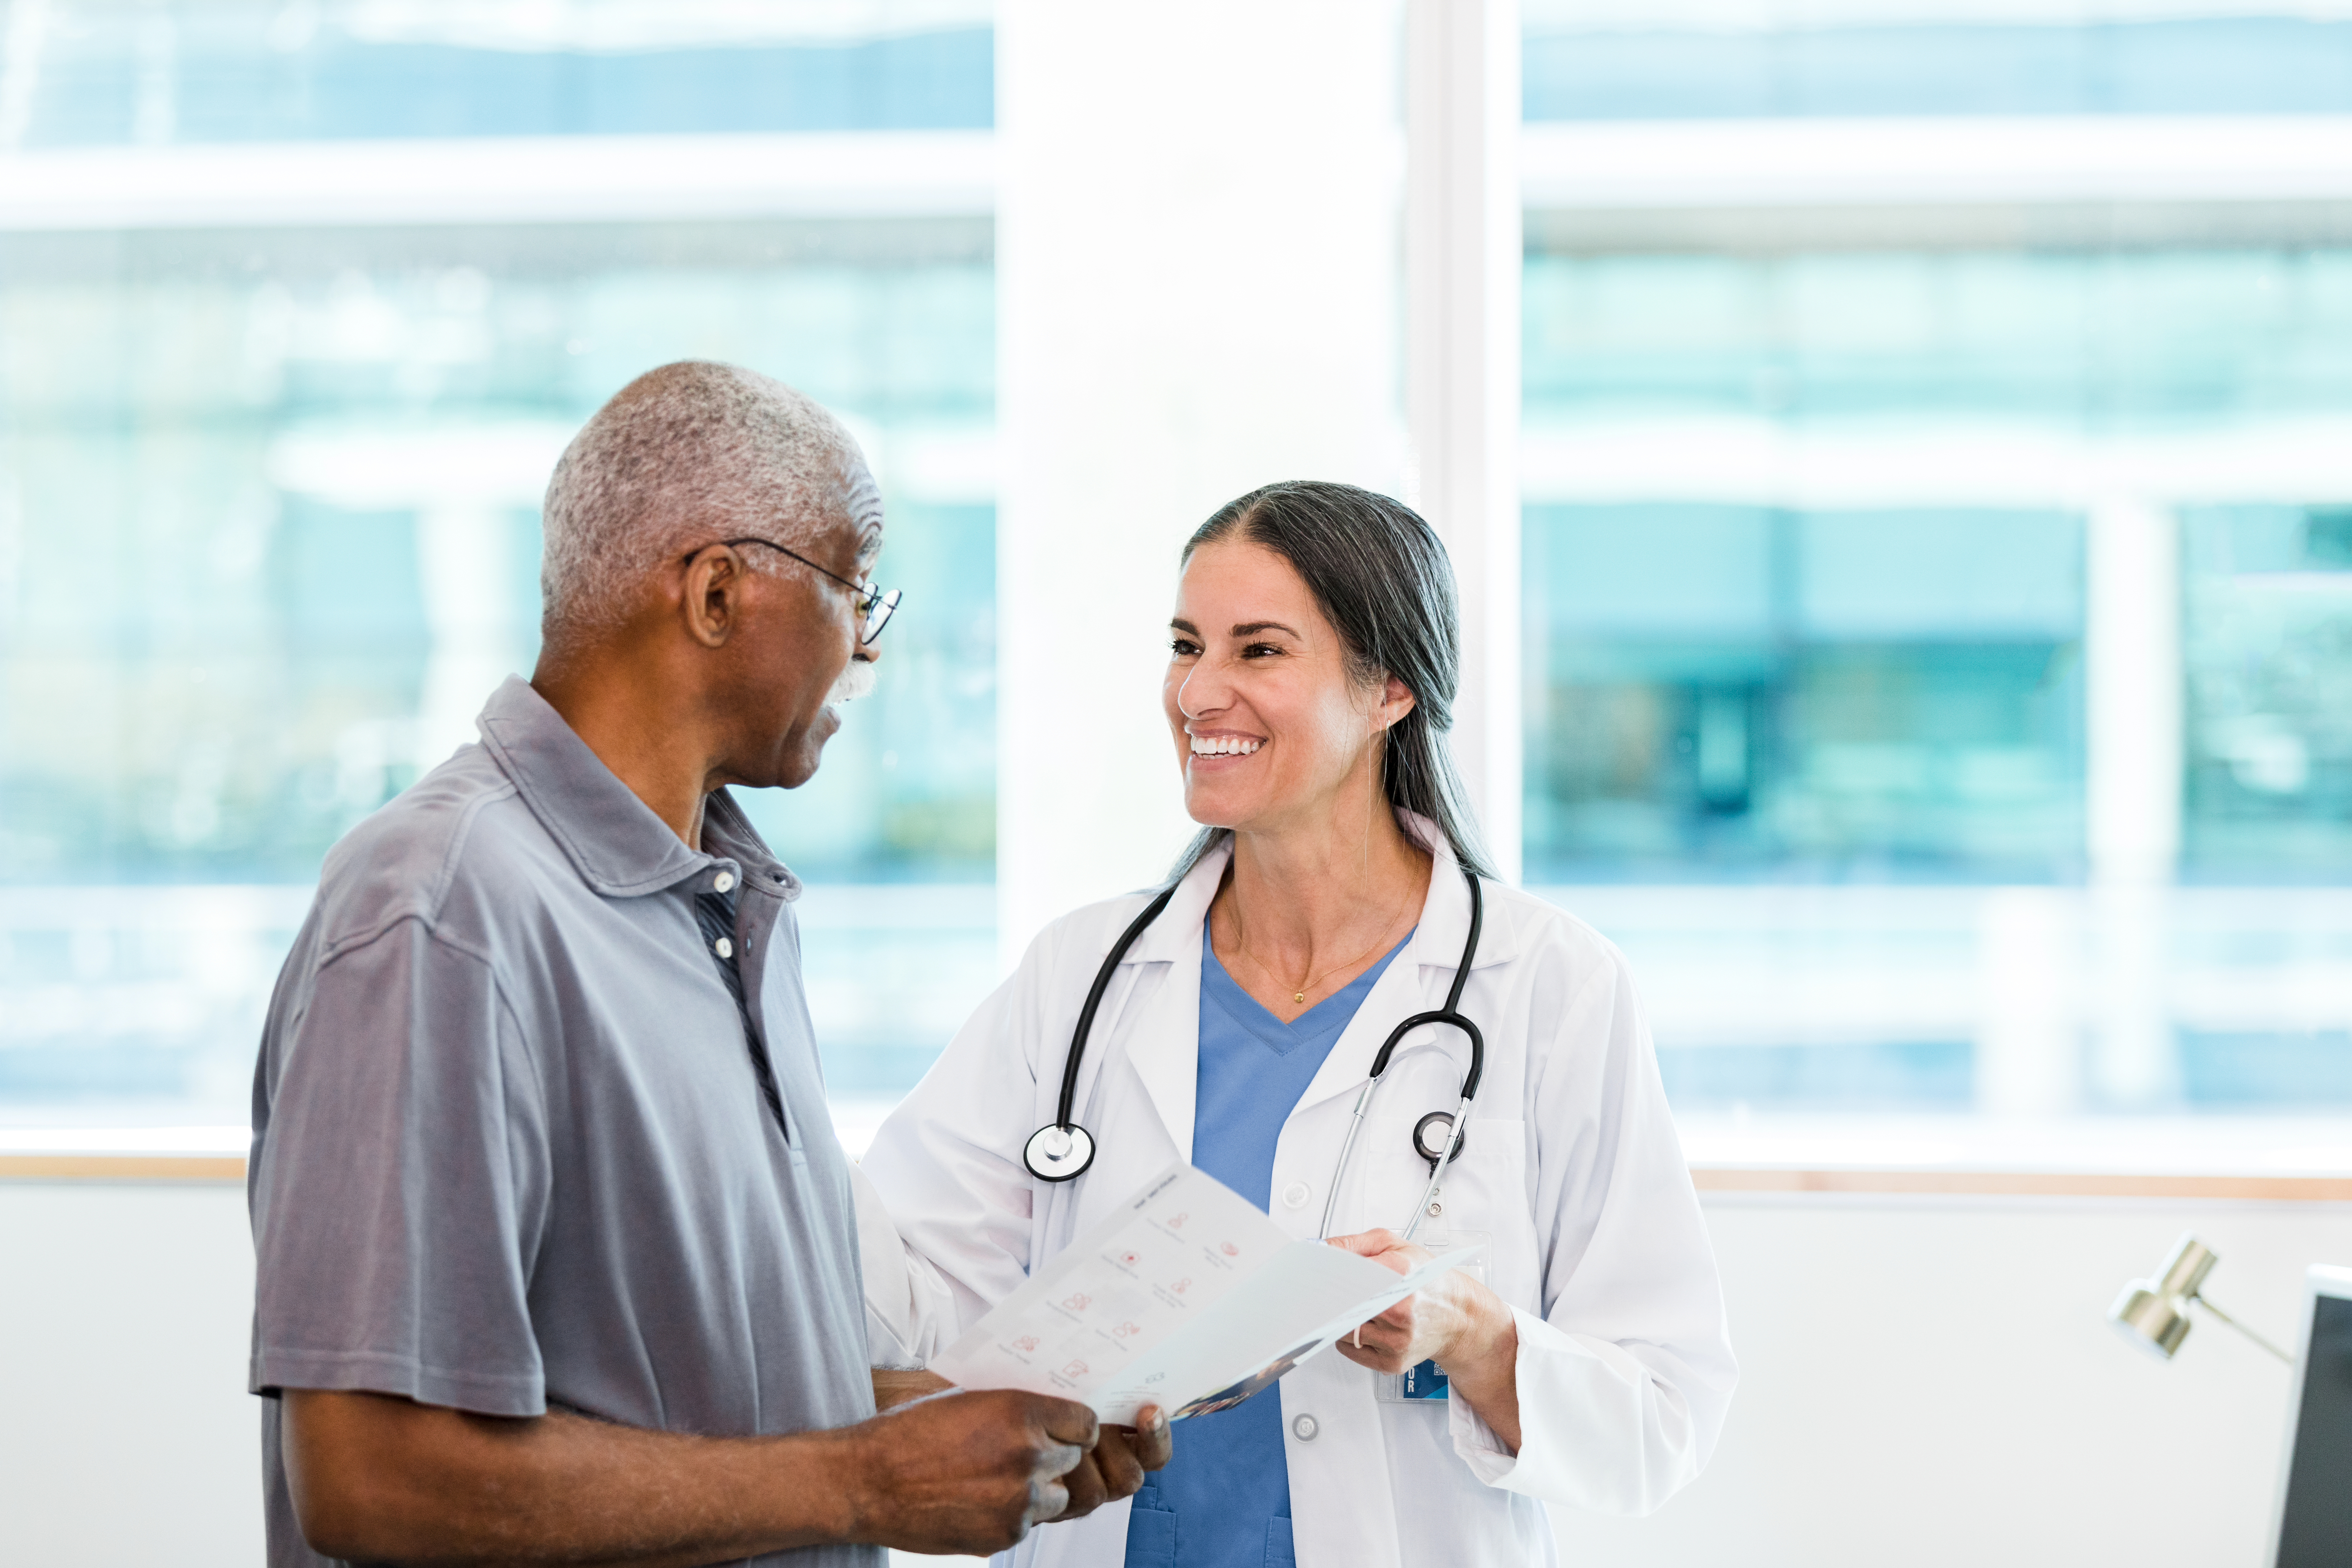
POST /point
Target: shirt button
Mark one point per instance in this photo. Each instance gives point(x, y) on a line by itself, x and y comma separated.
point(1295, 1196)
point(1304, 1428)
point(723, 948)
point(723, 882)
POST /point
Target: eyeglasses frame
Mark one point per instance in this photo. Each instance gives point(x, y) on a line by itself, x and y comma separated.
point(874, 607)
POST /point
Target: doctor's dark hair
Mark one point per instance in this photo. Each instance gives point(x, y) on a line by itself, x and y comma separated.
point(1382, 577)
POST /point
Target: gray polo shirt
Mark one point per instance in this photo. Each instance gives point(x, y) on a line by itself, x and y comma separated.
point(510, 1153)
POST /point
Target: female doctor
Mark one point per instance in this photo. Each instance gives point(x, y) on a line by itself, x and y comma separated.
point(1313, 661)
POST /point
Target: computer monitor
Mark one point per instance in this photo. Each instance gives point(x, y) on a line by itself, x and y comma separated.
point(2312, 1525)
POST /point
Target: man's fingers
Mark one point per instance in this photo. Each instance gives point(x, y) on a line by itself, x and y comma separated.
point(1056, 1460)
point(1067, 1421)
point(1155, 1443)
point(1115, 1463)
point(1088, 1485)
point(1047, 1500)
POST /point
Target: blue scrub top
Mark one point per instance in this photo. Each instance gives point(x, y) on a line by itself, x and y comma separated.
point(1224, 1502)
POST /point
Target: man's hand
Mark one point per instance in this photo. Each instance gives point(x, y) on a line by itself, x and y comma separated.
point(923, 1482)
point(1114, 1467)
point(965, 1473)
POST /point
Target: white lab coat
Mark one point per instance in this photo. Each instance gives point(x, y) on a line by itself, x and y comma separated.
point(1571, 1163)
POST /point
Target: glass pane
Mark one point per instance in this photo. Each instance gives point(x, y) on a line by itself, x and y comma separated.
point(98, 72)
point(1740, 692)
point(269, 535)
point(1813, 545)
point(1640, 60)
point(2268, 634)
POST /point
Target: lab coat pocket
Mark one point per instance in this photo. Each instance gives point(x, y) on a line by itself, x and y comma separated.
point(1486, 1191)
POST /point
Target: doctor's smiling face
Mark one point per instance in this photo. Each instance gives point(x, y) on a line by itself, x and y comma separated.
point(1274, 724)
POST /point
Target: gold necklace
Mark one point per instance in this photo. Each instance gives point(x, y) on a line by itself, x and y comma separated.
point(1298, 998)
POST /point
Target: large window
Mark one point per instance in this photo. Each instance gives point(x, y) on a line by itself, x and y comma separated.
point(269, 504)
point(1939, 612)
point(97, 72)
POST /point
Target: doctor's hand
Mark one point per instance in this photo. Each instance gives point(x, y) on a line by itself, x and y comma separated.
point(965, 1472)
point(1457, 1323)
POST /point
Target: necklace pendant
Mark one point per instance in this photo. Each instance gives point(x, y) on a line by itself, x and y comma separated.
point(1299, 998)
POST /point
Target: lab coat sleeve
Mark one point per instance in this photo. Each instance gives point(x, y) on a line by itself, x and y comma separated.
point(1624, 1379)
point(946, 1167)
point(907, 1302)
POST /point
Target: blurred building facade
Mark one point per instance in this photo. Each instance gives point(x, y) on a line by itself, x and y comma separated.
point(1938, 529)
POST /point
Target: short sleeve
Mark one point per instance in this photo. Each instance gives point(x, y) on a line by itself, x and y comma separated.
point(399, 1184)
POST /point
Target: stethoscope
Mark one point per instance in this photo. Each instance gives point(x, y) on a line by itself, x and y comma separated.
point(1062, 1150)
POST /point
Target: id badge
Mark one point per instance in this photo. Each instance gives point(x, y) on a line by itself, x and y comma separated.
point(1420, 1384)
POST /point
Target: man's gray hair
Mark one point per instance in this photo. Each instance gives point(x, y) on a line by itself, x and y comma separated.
point(682, 456)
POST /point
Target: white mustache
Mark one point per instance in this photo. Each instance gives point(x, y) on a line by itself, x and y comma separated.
point(855, 681)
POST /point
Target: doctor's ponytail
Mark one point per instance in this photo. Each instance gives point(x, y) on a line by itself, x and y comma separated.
point(1382, 577)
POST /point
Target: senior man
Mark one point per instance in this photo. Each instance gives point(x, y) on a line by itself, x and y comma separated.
point(557, 1251)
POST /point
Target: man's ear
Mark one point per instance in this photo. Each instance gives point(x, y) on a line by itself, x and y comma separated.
point(711, 604)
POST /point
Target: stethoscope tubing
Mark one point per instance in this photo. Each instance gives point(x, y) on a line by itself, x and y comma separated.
point(1448, 1016)
point(1068, 1102)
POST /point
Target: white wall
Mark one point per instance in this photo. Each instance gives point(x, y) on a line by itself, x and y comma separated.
point(1931, 1382)
point(1925, 1383)
point(126, 1435)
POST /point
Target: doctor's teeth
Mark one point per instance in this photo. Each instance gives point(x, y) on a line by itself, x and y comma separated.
point(1223, 745)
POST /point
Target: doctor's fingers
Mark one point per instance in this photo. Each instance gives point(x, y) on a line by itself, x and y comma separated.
point(1377, 1355)
point(1374, 1245)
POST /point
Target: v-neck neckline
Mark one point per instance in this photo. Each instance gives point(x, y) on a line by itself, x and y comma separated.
point(1327, 1017)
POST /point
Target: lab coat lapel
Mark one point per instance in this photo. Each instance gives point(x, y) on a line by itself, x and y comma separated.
point(1159, 1016)
point(1163, 1039)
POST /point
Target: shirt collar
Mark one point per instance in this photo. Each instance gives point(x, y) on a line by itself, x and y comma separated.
point(616, 843)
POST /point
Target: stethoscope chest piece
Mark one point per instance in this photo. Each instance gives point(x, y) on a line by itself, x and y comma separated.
point(1058, 1153)
point(1429, 1135)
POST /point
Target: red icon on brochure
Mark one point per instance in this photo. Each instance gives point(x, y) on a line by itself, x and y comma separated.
point(1076, 1369)
point(1182, 1284)
point(1178, 1223)
point(1025, 1343)
point(1127, 1331)
point(1130, 1259)
point(1229, 1250)
point(1077, 1301)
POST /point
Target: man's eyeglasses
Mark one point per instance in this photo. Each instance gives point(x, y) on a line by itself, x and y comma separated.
point(874, 606)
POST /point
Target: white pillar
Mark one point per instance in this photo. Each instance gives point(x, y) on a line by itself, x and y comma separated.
point(2029, 1044)
point(1462, 263)
point(2134, 697)
point(1197, 294)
